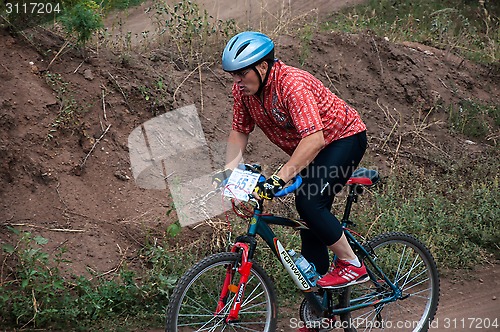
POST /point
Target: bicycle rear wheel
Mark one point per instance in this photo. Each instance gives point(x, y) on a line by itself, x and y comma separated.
point(407, 262)
point(194, 300)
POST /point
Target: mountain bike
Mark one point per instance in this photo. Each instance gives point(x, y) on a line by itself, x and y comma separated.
point(230, 291)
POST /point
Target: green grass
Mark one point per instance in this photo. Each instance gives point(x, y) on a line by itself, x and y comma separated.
point(34, 293)
point(460, 26)
point(455, 211)
point(475, 120)
point(453, 208)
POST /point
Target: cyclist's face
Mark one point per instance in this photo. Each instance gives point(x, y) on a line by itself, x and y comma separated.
point(248, 81)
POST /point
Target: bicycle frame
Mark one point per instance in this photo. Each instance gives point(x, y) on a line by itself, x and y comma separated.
point(259, 225)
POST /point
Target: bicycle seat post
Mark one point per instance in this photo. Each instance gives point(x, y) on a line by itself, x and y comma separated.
point(351, 198)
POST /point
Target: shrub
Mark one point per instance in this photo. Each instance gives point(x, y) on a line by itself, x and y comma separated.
point(35, 294)
point(82, 20)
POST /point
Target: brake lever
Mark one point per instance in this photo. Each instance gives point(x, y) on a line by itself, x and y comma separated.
point(254, 168)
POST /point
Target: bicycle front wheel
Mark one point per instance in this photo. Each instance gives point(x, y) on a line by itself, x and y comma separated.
point(409, 265)
point(194, 302)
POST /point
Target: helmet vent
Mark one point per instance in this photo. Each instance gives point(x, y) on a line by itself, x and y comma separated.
point(241, 49)
point(232, 44)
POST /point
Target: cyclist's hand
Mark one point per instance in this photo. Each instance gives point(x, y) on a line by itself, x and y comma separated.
point(221, 176)
point(270, 187)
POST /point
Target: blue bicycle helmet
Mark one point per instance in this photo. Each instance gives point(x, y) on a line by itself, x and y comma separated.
point(247, 49)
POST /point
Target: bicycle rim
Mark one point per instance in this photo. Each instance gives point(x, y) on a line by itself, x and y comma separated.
point(195, 299)
point(407, 262)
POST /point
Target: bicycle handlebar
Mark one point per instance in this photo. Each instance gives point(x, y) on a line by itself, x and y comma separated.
point(297, 181)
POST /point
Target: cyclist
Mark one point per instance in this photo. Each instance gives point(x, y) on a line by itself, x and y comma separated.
point(324, 136)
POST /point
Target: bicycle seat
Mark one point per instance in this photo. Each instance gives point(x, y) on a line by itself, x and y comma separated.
point(364, 176)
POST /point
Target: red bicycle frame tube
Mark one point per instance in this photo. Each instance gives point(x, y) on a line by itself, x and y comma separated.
point(244, 271)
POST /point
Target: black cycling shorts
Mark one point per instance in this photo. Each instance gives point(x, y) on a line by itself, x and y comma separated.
point(322, 180)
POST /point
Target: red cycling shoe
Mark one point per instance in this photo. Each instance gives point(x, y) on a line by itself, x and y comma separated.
point(344, 274)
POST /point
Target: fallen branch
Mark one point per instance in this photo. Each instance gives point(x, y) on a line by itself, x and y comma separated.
point(390, 117)
point(104, 105)
point(429, 142)
point(65, 230)
point(201, 88)
point(327, 76)
point(185, 79)
point(396, 153)
point(215, 126)
point(217, 77)
point(66, 43)
point(121, 91)
point(59, 194)
point(373, 224)
point(119, 264)
point(440, 80)
point(378, 55)
point(78, 67)
point(7, 69)
point(93, 147)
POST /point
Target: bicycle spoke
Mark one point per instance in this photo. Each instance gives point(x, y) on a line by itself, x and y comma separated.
point(406, 289)
point(400, 263)
point(413, 278)
point(413, 267)
point(200, 293)
point(199, 306)
point(409, 265)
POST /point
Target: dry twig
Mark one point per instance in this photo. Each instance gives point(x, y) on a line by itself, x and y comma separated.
point(66, 43)
point(327, 76)
point(217, 77)
point(189, 75)
point(78, 67)
point(65, 230)
point(121, 91)
point(378, 55)
point(201, 88)
point(392, 119)
point(93, 147)
point(122, 254)
point(104, 102)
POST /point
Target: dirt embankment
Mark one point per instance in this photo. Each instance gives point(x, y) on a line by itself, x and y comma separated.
point(71, 182)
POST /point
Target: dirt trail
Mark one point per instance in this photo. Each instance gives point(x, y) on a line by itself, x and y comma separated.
point(269, 15)
point(469, 305)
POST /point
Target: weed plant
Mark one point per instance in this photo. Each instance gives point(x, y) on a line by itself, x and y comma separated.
point(465, 27)
point(455, 211)
point(191, 34)
point(70, 110)
point(35, 294)
point(82, 20)
point(476, 120)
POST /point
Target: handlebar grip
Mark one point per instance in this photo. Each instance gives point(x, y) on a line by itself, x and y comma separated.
point(297, 181)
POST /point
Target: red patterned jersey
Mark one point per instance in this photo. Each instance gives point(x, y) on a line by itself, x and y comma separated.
point(296, 104)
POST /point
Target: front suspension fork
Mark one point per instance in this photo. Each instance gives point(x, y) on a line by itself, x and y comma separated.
point(244, 271)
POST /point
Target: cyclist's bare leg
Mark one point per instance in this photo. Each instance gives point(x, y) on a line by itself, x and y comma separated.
point(342, 249)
